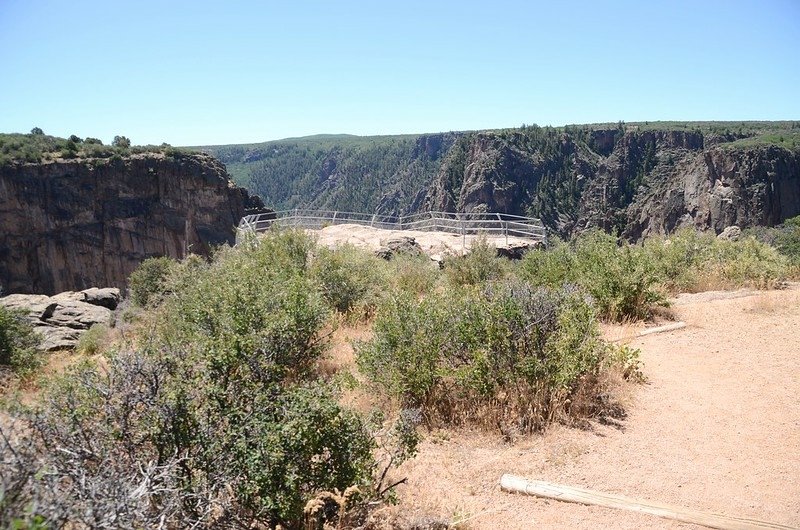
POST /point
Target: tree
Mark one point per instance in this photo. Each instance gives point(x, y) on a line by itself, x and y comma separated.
point(75, 139)
point(37, 131)
point(121, 141)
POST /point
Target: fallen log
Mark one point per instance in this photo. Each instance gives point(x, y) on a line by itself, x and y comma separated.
point(539, 488)
point(661, 329)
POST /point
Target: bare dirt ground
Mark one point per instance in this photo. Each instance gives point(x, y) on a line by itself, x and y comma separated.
point(716, 428)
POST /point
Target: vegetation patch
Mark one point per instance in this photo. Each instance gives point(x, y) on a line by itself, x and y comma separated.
point(215, 418)
point(629, 281)
point(37, 147)
point(508, 353)
point(18, 341)
point(622, 279)
point(217, 413)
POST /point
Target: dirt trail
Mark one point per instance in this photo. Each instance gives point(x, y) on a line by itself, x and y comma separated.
point(716, 428)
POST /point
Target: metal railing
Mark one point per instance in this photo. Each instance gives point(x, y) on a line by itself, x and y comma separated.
point(491, 224)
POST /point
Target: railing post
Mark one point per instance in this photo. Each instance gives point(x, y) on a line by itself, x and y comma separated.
point(463, 233)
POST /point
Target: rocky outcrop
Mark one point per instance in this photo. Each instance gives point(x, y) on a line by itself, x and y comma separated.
point(715, 188)
point(398, 245)
point(71, 224)
point(62, 319)
point(631, 179)
point(631, 182)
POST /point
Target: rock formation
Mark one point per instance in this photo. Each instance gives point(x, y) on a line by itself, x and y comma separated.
point(635, 183)
point(71, 224)
point(632, 179)
point(63, 318)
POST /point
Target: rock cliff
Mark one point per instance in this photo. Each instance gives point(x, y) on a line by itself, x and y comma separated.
point(67, 225)
point(635, 183)
point(634, 179)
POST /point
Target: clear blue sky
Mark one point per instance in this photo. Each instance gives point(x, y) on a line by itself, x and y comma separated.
point(198, 72)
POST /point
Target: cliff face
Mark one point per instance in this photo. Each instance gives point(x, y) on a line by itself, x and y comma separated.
point(636, 183)
point(74, 224)
point(634, 179)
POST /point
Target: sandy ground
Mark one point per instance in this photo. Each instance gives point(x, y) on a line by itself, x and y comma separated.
point(716, 428)
point(432, 243)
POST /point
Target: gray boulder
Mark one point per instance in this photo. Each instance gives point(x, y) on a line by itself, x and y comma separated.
point(731, 233)
point(398, 245)
point(78, 315)
point(108, 297)
point(517, 250)
point(56, 338)
point(62, 319)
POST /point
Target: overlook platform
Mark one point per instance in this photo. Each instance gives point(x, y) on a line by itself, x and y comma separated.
point(467, 226)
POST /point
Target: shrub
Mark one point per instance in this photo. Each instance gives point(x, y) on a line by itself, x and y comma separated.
point(350, 278)
point(479, 265)
point(511, 353)
point(692, 261)
point(121, 142)
point(148, 283)
point(18, 341)
point(92, 340)
point(622, 279)
point(785, 238)
point(412, 273)
point(215, 420)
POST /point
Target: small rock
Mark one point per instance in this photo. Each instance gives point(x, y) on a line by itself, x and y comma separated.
point(108, 297)
point(517, 250)
point(731, 233)
point(398, 245)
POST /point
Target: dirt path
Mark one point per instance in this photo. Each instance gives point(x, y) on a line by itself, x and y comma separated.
point(716, 428)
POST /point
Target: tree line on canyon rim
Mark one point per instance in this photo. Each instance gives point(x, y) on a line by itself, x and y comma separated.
point(215, 401)
point(37, 147)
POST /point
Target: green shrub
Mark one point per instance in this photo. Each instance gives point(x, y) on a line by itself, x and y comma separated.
point(93, 340)
point(481, 264)
point(350, 278)
point(216, 419)
point(628, 281)
point(622, 279)
point(511, 352)
point(689, 261)
point(148, 283)
point(18, 343)
point(412, 273)
point(785, 238)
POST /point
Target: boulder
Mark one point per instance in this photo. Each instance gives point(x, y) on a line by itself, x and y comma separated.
point(56, 338)
point(108, 297)
point(62, 319)
point(37, 306)
point(517, 250)
point(78, 315)
point(398, 245)
point(731, 233)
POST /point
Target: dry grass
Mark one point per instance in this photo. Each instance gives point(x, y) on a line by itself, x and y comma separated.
point(764, 303)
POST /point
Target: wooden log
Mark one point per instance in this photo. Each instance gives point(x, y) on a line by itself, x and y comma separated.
point(661, 329)
point(538, 488)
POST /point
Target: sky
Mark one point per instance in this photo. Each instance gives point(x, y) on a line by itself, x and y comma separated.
point(201, 73)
